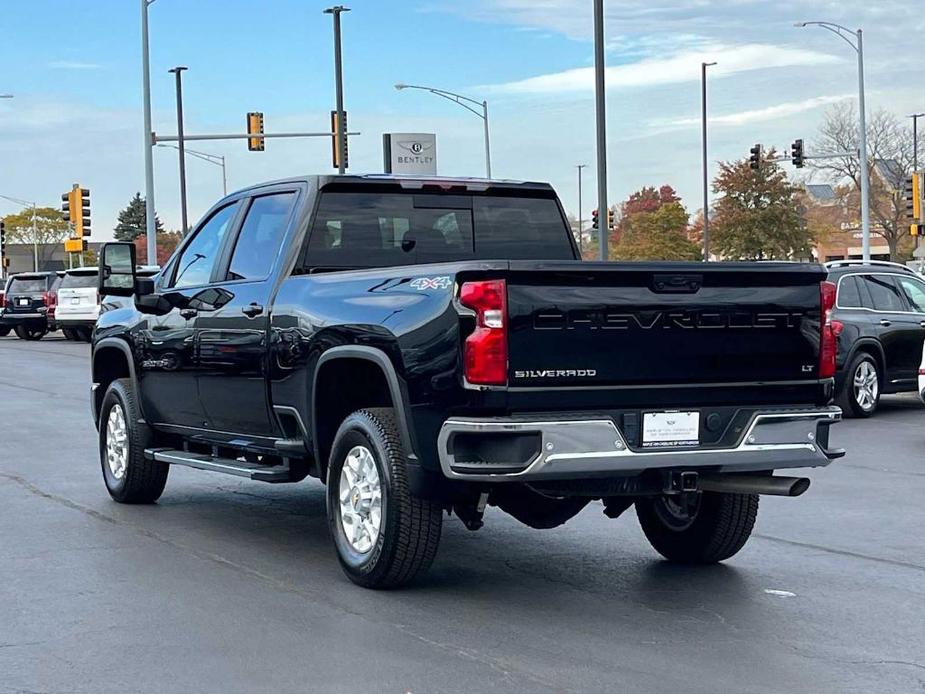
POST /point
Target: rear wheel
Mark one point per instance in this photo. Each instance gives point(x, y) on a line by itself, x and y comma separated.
point(384, 535)
point(30, 332)
point(698, 529)
point(68, 333)
point(130, 477)
point(860, 394)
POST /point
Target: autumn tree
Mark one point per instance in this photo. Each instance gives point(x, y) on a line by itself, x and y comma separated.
point(49, 229)
point(757, 216)
point(167, 242)
point(890, 159)
point(657, 235)
point(132, 220)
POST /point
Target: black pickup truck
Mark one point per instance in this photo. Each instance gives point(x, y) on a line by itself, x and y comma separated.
point(431, 347)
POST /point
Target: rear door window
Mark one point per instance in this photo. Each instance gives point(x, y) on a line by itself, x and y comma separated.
point(884, 293)
point(849, 295)
point(260, 238)
point(83, 280)
point(27, 286)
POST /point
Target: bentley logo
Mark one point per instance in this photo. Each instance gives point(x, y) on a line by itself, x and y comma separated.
point(416, 147)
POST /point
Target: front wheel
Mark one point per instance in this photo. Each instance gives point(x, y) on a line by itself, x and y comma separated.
point(30, 332)
point(130, 477)
point(702, 529)
point(384, 535)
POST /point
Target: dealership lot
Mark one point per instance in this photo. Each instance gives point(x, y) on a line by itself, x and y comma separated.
point(234, 586)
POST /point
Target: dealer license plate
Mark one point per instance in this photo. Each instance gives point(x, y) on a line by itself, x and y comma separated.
point(23, 302)
point(75, 300)
point(662, 429)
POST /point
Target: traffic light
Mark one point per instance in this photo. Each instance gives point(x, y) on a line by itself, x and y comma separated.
point(4, 261)
point(82, 207)
point(796, 153)
point(335, 129)
point(66, 206)
point(917, 229)
point(611, 220)
point(755, 160)
point(255, 127)
point(594, 219)
point(913, 195)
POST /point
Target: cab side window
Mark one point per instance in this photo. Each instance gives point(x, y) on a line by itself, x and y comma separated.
point(884, 293)
point(194, 267)
point(260, 238)
point(915, 293)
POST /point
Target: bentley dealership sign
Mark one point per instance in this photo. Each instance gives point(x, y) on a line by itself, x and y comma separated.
point(410, 153)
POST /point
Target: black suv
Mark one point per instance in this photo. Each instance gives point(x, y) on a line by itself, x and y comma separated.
point(25, 309)
point(879, 320)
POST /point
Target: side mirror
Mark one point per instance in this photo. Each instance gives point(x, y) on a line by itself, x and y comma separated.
point(117, 269)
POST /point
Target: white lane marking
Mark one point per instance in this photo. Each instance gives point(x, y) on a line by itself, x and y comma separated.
point(780, 593)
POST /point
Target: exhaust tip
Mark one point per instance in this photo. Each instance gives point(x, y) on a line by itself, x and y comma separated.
point(799, 485)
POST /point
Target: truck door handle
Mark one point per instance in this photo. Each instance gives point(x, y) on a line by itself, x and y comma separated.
point(252, 310)
point(885, 323)
point(188, 313)
point(922, 323)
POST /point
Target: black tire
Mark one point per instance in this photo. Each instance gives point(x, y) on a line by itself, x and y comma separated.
point(4, 331)
point(30, 332)
point(68, 333)
point(142, 480)
point(717, 530)
point(850, 399)
point(83, 334)
point(409, 530)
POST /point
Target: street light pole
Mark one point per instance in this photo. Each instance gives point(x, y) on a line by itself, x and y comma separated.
point(341, 143)
point(915, 141)
point(216, 159)
point(178, 72)
point(706, 201)
point(580, 242)
point(150, 226)
point(857, 44)
point(600, 101)
point(463, 101)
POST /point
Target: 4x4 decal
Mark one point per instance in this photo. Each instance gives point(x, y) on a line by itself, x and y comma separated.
point(424, 283)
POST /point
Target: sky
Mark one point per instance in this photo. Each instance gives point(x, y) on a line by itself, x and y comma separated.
point(76, 116)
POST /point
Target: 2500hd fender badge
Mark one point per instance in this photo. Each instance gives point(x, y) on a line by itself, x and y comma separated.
point(556, 373)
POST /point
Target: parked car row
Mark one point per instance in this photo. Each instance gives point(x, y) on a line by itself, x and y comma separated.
point(32, 304)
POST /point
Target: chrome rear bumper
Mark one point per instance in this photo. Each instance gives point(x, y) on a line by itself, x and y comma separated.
point(563, 449)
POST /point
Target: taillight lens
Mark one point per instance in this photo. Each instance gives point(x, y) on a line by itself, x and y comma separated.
point(485, 350)
point(49, 299)
point(827, 330)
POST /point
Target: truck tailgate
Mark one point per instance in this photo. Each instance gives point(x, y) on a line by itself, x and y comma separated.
point(597, 324)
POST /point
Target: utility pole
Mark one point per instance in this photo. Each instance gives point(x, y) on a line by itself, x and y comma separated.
point(178, 72)
point(706, 182)
point(150, 226)
point(580, 242)
point(339, 87)
point(600, 101)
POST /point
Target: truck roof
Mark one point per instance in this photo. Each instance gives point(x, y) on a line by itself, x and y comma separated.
point(405, 181)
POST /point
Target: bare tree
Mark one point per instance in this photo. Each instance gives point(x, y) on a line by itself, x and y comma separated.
point(890, 155)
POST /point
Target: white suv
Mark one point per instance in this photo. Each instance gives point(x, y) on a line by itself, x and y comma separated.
point(78, 303)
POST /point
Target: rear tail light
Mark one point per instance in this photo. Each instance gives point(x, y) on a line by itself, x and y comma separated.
point(485, 350)
point(828, 330)
point(49, 298)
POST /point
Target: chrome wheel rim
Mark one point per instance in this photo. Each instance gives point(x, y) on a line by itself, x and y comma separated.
point(116, 442)
point(866, 386)
point(677, 512)
point(360, 496)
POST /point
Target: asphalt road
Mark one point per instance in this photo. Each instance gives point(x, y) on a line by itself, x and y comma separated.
point(233, 586)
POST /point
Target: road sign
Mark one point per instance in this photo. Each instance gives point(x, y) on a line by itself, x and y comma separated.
point(410, 153)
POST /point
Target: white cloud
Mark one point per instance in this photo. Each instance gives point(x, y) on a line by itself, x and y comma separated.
point(680, 67)
point(790, 108)
point(73, 65)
